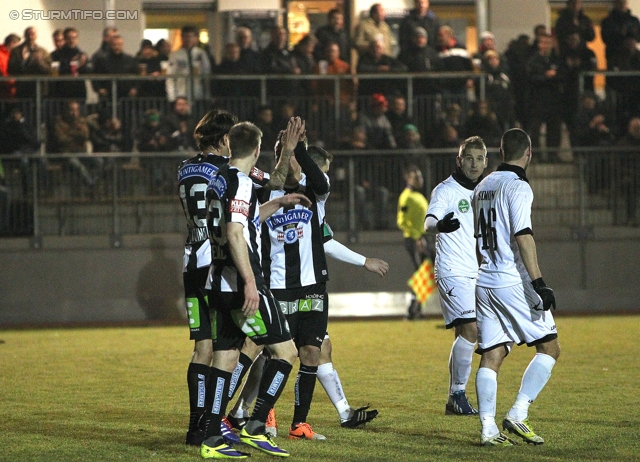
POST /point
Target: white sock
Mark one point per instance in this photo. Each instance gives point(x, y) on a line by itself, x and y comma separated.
point(460, 364)
point(487, 390)
point(534, 379)
point(330, 381)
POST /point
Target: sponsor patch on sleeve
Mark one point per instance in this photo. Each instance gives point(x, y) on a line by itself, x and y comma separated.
point(257, 174)
point(239, 206)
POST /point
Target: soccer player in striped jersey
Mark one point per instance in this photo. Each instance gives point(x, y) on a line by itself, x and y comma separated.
point(295, 267)
point(244, 305)
point(327, 375)
point(450, 217)
point(194, 175)
point(513, 300)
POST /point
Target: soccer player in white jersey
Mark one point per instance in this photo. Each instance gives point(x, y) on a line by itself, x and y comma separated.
point(450, 217)
point(513, 301)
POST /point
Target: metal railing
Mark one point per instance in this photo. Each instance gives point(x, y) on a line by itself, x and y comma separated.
point(115, 194)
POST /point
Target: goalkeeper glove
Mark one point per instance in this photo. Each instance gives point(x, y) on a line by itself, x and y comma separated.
point(545, 293)
point(448, 224)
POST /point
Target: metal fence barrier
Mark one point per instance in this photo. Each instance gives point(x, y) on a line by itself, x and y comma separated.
point(115, 194)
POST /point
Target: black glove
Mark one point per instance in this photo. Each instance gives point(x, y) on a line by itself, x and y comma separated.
point(448, 224)
point(546, 294)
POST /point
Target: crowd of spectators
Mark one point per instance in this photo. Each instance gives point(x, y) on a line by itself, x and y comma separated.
point(531, 84)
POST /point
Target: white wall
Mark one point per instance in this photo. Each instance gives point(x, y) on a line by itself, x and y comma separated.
point(229, 5)
point(508, 19)
point(90, 30)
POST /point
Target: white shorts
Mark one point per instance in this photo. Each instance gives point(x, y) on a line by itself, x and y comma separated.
point(506, 315)
point(457, 300)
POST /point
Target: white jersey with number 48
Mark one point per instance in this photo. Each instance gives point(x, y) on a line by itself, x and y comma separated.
point(502, 210)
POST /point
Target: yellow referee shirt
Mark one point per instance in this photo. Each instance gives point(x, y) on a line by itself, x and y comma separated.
point(412, 209)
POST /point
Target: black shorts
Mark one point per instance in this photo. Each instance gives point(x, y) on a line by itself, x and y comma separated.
point(307, 311)
point(198, 313)
point(267, 327)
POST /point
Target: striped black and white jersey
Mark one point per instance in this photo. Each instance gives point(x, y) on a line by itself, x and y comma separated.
point(231, 198)
point(194, 175)
point(455, 251)
point(502, 210)
point(292, 241)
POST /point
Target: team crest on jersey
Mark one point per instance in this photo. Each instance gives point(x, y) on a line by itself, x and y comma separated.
point(289, 236)
point(219, 185)
point(239, 206)
point(463, 205)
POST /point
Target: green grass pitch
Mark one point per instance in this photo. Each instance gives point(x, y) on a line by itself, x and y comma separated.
point(119, 394)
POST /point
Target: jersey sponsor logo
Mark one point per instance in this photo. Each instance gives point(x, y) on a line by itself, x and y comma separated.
point(275, 383)
point(202, 170)
point(463, 205)
point(291, 217)
point(257, 174)
point(219, 185)
point(239, 206)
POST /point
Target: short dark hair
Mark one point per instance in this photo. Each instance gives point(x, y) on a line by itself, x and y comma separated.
point(212, 127)
point(11, 38)
point(68, 30)
point(514, 144)
point(319, 155)
point(333, 11)
point(409, 169)
point(244, 138)
point(373, 8)
point(473, 142)
point(189, 30)
point(56, 33)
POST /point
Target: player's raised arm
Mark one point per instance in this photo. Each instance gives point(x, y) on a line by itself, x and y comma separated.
point(270, 207)
point(287, 142)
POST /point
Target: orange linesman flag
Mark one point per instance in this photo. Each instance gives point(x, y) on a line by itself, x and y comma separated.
point(423, 282)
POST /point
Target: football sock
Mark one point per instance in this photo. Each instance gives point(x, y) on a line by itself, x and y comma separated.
point(487, 389)
point(244, 363)
point(250, 389)
point(219, 390)
point(330, 381)
point(534, 379)
point(273, 381)
point(197, 375)
point(460, 363)
point(305, 384)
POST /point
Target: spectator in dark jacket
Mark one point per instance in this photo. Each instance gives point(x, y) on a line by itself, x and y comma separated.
point(116, 62)
point(420, 16)
point(573, 20)
point(576, 58)
point(16, 135)
point(616, 27)
point(455, 58)
point(499, 90)
point(545, 82)
point(375, 61)
point(149, 65)
point(73, 62)
point(333, 32)
point(419, 57)
point(276, 59)
point(26, 59)
point(180, 124)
